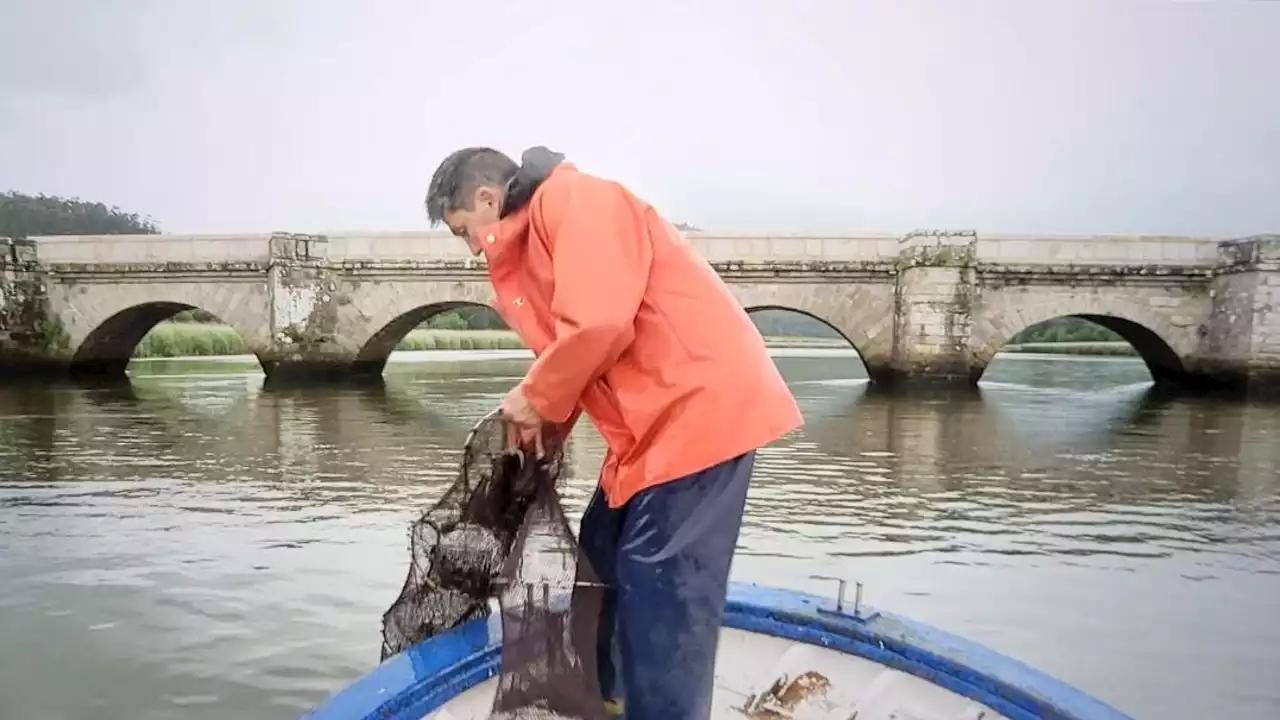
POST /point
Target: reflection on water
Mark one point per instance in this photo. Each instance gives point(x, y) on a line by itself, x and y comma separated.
point(191, 546)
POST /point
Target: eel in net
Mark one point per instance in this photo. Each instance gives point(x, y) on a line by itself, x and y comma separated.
point(499, 531)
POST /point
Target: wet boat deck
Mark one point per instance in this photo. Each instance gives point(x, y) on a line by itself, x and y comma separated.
point(760, 677)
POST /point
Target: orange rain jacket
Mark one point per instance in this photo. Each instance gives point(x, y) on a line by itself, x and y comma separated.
point(628, 323)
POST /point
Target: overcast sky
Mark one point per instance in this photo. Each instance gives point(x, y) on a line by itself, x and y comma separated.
point(323, 115)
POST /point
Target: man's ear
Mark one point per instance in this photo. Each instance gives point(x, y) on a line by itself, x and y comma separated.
point(486, 196)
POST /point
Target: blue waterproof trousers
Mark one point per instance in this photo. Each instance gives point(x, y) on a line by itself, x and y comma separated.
point(666, 556)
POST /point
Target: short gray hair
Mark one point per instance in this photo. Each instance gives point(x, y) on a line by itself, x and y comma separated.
point(454, 183)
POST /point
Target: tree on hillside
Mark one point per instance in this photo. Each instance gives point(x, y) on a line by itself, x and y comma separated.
point(23, 216)
point(1065, 329)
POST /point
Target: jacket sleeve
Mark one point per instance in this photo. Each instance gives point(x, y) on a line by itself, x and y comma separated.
point(566, 427)
point(601, 255)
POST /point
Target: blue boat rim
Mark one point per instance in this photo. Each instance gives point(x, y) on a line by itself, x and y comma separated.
point(422, 679)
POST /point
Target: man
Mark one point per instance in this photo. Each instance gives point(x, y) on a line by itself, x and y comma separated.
point(629, 325)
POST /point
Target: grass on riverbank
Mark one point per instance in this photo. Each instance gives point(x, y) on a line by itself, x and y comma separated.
point(178, 339)
point(185, 339)
point(1111, 349)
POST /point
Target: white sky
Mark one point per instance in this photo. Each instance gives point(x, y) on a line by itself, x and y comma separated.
point(323, 115)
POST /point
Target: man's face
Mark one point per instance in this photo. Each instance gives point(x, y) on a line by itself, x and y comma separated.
point(467, 224)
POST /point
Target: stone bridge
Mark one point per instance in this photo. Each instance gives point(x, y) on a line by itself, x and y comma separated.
point(931, 305)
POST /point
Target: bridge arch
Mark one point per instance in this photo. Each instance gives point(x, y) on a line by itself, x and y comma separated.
point(112, 342)
point(778, 312)
point(386, 339)
point(372, 357)
point(862, 315)
point(1162, 346)
point(394, 309)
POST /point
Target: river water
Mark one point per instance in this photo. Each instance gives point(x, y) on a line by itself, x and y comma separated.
point(192, 546)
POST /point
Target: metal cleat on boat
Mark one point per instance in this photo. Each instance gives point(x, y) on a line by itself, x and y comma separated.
point(857, 596)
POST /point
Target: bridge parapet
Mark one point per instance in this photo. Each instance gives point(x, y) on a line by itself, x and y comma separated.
point(794, 247)
point(150, 249)
point(1096, 250)
point(412, 246)
point(436, 246)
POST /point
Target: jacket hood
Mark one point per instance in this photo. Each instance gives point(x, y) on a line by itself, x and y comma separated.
point(536, 164)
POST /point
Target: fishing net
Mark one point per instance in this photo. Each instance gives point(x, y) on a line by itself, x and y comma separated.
point(499, 532)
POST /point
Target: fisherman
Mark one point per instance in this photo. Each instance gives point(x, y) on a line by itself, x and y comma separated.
point(628, 324)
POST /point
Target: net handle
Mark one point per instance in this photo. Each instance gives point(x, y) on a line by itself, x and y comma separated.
point(494, 414)
point(511, 435)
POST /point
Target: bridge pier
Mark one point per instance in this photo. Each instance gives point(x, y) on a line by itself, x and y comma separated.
point(1241, 341)
point(933, 309)
point(32, 343)
point(301, 371)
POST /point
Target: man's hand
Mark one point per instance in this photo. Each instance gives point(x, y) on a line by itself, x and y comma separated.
point(517, 411)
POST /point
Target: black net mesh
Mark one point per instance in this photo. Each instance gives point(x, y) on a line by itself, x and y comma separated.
point(499, 531)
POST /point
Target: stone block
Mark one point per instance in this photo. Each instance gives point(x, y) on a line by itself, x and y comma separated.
point(55, 251)
point(123, 253)
point(397, 247)
point(788, 248)
point(838, 249)
point(212, 251)
point(1086, 252)
point(859, 249)
point(1019, 251)
point(987, 250)
point(1179, 253)
point(351, 248)
point(741, 248)
point(717, 249)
